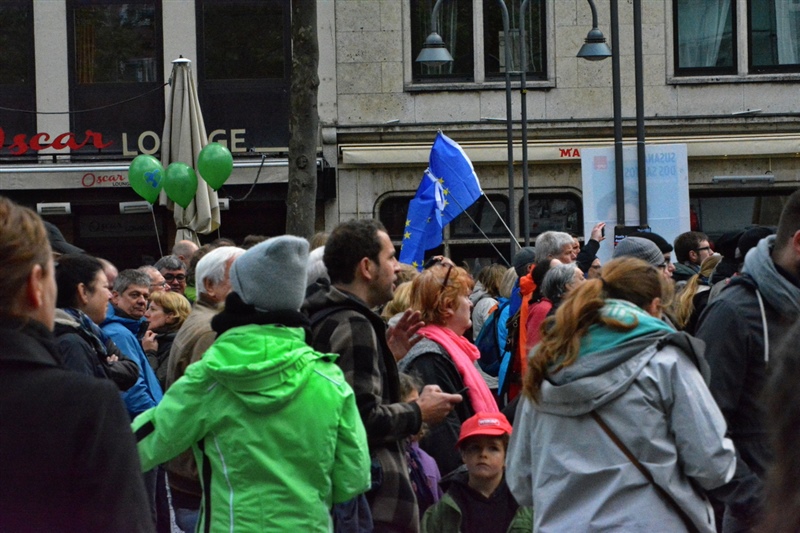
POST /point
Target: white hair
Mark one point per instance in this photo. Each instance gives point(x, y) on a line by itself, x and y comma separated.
point(316, 266)
point(212, 266)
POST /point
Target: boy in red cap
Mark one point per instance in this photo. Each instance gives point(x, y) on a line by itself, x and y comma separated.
point(477, 498)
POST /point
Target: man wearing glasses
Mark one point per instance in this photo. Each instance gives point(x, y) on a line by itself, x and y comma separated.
point(174, 272)
point(691, 248)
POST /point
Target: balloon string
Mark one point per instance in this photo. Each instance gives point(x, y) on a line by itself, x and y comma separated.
point(158, 239)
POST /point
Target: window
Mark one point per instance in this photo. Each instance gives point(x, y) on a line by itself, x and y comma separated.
point(115, 61)
point(244, 68)
point(774, 32)
point(716, 213)
point(557, 211)
point(709, 39)
point(17, 73)
point(705, 40)
point(478, 56)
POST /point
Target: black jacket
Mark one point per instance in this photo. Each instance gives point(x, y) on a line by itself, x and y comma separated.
point(68, 461)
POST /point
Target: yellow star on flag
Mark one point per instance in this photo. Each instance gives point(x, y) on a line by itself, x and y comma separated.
point(407, 235)
point(408, 222)
point(415, 264)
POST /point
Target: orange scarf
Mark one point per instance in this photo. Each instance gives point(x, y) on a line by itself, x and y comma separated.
point(526, 288)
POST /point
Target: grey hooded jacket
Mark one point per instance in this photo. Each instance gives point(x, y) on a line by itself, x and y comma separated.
point(651, 394)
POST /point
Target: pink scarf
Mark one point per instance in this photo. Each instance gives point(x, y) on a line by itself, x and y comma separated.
point(463, 354)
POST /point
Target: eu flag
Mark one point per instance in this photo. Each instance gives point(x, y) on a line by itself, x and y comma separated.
point(423, 229)
point(449, 186)
point(451, 166)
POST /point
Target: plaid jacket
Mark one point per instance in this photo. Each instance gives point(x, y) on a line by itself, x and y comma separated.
point(358, 335)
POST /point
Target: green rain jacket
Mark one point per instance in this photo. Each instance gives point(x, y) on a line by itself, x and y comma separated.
point(274, 429)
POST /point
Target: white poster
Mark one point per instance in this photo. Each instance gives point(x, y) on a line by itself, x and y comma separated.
point(667, 191)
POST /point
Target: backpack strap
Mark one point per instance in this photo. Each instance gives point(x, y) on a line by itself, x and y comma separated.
point(645, 472)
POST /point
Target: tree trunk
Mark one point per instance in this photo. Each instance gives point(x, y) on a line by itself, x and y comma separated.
point(303, 121)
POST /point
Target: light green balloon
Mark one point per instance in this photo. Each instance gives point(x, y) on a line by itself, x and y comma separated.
point(146, 176)
point(180, 183)
point(215, 164)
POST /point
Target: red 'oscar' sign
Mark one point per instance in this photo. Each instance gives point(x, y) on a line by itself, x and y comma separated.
point(40, 141)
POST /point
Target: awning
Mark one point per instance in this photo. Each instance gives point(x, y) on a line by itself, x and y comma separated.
point(566, 150)
point(82, 176)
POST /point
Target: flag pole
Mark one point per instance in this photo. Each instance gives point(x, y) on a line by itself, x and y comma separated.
point(503, 222)
point(464, 211)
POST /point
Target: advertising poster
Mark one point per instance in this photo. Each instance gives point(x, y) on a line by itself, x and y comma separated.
point(667, 191)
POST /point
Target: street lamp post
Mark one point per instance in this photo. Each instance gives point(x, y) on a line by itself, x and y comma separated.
point(641, 161)
point(523, 98)
point(431, 54)
point(595, 49)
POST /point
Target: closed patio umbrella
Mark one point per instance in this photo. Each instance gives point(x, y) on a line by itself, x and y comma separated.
point(183, 138)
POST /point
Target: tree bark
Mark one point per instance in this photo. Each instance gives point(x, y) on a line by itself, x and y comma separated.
point(303, 121)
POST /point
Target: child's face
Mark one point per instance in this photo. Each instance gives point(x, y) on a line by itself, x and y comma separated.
point(484, 456)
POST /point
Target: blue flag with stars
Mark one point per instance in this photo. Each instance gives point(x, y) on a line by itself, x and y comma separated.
point(450, 165)
point(449, 186)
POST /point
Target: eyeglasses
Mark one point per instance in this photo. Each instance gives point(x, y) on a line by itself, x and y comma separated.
point(160, 285)
point(703, 248)
point(172, 277)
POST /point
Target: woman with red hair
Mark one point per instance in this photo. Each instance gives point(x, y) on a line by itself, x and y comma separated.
point(446, 358)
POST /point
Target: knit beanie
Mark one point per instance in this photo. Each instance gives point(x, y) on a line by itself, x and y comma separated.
point(271, 276)
point(639, 248)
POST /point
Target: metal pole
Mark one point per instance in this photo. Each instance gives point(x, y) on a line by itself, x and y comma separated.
point(641, 160)
point(435, 16)
point(509, 134)
point(523, 97)
point(619, 171)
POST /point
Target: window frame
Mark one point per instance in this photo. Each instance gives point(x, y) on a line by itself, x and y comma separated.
point(218, 95)
point(480, 80)
point(21, 95)
point(744, 71)
point(145, 113)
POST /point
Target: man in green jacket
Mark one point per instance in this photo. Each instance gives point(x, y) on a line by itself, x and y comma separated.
point(273, 424)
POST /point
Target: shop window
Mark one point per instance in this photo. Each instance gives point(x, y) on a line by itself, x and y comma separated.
point(116, 70)
point(17, 72)
point(715, 215)
point(553, 212)
point(243, 75)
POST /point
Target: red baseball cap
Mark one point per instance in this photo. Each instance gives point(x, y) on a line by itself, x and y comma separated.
point(490, 424)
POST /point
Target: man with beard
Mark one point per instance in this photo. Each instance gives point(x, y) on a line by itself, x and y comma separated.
point(362, 266)
point(741, 326)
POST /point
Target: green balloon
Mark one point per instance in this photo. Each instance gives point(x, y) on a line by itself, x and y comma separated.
point(215, 164)
point(180, 183)
point(146, 176)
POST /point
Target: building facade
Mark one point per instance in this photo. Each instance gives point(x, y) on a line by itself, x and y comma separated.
point(720, 76)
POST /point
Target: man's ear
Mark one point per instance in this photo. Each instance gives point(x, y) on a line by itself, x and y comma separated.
point(693, 256)
point(34, 289)
point(114, 297)
point(210, 287)
point(796, 243)
point(364, 269)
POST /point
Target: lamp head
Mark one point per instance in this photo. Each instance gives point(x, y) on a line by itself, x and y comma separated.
point(594, 47)
point(434, 52)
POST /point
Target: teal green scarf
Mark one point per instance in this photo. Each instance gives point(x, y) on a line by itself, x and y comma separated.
point(600, 337)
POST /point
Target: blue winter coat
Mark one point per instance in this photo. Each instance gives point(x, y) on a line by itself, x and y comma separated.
point(146, 393)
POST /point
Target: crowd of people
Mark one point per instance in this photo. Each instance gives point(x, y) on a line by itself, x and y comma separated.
point(318, 385)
